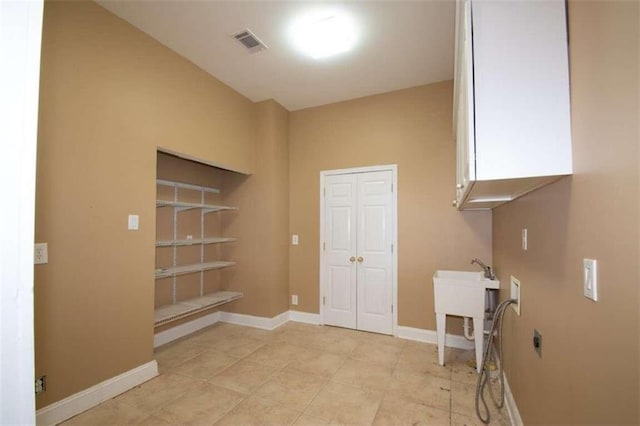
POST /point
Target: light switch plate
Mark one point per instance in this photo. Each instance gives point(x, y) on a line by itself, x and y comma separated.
point(133, 222)
point(590, 279)
point(524, 239)
point(294, 239)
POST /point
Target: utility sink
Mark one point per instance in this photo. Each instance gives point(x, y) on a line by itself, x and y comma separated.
point(461, 293)
point(467, 276)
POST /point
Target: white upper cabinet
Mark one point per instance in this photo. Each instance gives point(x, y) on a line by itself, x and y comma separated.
point(511, 99)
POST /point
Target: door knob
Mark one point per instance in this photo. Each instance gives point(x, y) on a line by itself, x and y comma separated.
point(352, 259)
point(360, 259)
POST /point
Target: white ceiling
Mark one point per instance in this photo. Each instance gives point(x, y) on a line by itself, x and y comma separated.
point(401, 44)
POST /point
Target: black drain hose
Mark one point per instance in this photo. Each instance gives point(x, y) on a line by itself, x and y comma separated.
point(488, 354)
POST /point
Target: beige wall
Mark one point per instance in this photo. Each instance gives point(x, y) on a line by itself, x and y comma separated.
point(109, 96)
point(410, 128)
point(262, 221)
point(588, 373)
point(272, 213)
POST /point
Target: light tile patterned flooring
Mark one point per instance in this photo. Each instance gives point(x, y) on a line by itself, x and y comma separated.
point(298, 374)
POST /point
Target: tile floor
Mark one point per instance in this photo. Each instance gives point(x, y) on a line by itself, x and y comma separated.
point(298, 374)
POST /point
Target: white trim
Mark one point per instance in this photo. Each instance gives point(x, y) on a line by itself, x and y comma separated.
point(174, 333)
point(510, 402)
point(394, 176)
point(430, 336)
point(103, 391)
point(253, 321)
point(366, 169)
point(167, 336)
point(409, 333)
point(394, 195)
point(20, 41)
point(304, 317)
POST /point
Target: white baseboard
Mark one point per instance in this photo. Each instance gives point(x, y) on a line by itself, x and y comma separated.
point(430, 336)
point(88, 398)
point(174, 333)
point(167, 336)
point(510, 402)
point(411, 333)
point(304, 317)
point(253, 321)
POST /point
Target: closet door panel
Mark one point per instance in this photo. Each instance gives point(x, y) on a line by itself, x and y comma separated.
point(340, 248)
point(374, 240)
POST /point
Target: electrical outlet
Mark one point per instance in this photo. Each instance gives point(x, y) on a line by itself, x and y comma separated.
point(537, 342)
point(294, 299)
point(41, 384)
point(41, 253)
point(295, 240)
point(516, 293)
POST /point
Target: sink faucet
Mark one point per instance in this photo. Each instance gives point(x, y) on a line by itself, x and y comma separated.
point(487, 269)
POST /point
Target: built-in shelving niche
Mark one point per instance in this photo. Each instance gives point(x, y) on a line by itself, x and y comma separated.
point(191, 235)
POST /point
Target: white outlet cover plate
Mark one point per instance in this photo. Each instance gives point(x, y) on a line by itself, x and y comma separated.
point(524, 239)
point(515, 293)
point(134, 222)
point(590, 279)
point(294, 239)
point(41, 253)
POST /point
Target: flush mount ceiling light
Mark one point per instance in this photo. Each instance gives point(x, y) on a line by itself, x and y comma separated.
point(320, 35)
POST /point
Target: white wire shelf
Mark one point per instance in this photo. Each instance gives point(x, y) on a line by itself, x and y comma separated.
point(168, 313)
point(179, 205)
point(194, 241)
point(188, 269)
point(183, 185)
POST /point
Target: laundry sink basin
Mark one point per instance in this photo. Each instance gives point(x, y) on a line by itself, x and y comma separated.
point(461, 292)
point(468, 277)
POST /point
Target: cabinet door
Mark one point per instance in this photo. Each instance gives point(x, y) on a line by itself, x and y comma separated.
point(521, 88)
point(465, 144)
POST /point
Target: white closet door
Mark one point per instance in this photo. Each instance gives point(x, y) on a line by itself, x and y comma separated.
point(358, 260)
point(340, 250)
point(374, 245)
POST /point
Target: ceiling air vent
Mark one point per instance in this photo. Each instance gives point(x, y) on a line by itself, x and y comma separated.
point(250, 41)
